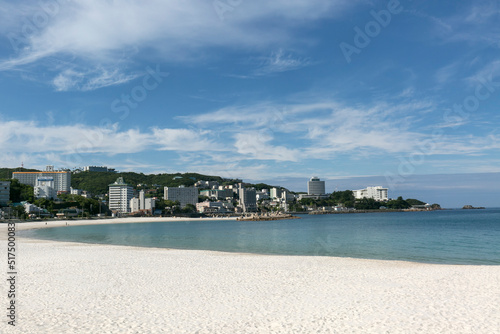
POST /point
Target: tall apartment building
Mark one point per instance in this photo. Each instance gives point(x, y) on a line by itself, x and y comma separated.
point(62, 179)
point(4, 192)
point(248, 199)
point(120, 195)
point(142, 203)
point(185, 195)
point(377, 193)
point(315, 186)
point(275, 193)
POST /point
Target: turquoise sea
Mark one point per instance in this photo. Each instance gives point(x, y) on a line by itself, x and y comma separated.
point(447, 236)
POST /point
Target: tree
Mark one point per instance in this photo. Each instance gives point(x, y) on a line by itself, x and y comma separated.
point(398, 204)
point(367, 204)
point(412, 202)
point(343, 197)
point(260, 186)
point(203, 198)
point(19, 212)
point(190, 208)
point(21, 192)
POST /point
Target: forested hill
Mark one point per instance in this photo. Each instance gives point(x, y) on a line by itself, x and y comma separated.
point(98, 182)
point(6, 173)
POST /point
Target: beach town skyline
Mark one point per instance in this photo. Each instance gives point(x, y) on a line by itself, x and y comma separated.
point(341, 89)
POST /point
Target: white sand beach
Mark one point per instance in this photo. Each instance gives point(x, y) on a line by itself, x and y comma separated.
point(80, 288)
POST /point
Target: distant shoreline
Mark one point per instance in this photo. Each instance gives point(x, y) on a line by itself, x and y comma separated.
point(363, 211)
point(53, 222)
point(22, 225)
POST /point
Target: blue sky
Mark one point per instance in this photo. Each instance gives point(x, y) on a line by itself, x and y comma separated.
point(395, 91)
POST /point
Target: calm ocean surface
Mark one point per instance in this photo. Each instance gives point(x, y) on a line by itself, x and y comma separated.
point(449, 236)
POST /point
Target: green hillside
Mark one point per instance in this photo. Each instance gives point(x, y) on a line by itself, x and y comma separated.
point(6, 173)
point(97, 183)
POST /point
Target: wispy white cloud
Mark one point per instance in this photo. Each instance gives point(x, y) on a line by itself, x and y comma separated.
point(489, 74)
point(97, 35)
point(185, 140)
point(474, 24)
point(70, 79)
point(281, 61)
point(257, 145)
point(444, 74)
point(30, 137)
point(327, 129)
point(103, 31)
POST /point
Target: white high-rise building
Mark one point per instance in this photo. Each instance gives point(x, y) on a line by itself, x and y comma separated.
point(287, 196)
point(315, 186)
point(120, 195)
point(44, 188)
point(275, 193)
point(134, 205)
point(377, 193)
point(142, 200)
point(4, 192)
point(62, 179)
point(185, 195)
point(142, 203)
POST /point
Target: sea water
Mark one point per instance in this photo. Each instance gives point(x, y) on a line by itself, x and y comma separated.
point(447, 236)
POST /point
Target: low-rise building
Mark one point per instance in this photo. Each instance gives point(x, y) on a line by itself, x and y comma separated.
point(287, 196)
point(206, 184)
point(262, 195)
point(217, 193)
point(214, 207)
point(102, 169)
point(302, 196)
point(209, 207)
point(74, 191)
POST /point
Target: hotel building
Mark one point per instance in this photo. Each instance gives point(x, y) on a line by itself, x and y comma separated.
point(44, 188)
point(120, 195)
point(377, 193)
point(62, 179)
point(315, 186)
point(185, 195)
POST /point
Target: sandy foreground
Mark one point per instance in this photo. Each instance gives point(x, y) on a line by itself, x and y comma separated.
point(80, 288)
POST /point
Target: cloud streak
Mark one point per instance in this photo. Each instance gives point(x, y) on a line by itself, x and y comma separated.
point(101, 30)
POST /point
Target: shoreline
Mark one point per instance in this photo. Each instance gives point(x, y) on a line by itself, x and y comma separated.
point(76, 287)
point(81, 287)
point(30, 225)
point(25, 226)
